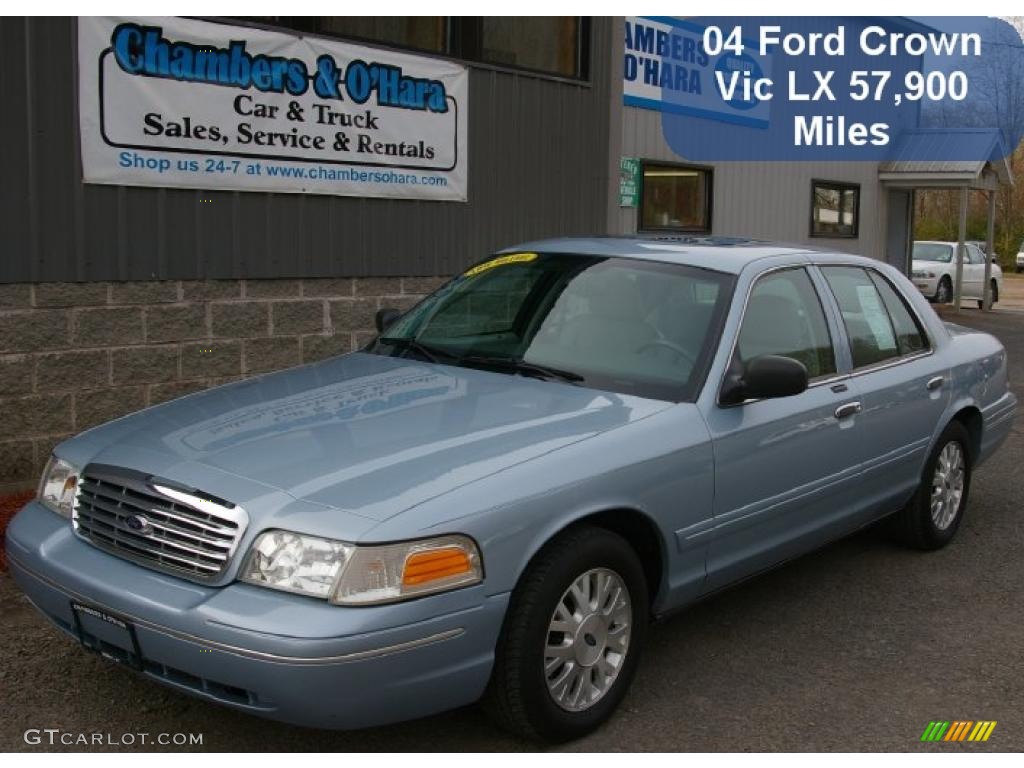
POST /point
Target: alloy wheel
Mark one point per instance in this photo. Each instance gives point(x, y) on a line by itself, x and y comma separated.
point(587, 639)
point(947, 485)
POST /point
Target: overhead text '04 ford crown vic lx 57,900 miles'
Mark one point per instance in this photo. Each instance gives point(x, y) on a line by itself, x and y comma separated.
point(494, 497)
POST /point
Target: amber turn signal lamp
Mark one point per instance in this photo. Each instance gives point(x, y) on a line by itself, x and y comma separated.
point(434, 564)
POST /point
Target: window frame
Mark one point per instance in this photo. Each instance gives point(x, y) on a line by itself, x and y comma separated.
point(889, 362)
point(462, 43)
point(975, 252)
point(732, 356)
point(841, 186)
point(875, 276)
point(709, 194)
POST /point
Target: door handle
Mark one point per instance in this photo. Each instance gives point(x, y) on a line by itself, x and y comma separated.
point(935, 383)
point(848, 409)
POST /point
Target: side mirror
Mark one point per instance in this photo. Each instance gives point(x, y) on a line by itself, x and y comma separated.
point(385, 317)
point(766, 377)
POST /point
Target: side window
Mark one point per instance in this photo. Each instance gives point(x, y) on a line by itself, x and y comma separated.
point(871, 332)
point(784, 317)
point(977, 255)
point(910, 337)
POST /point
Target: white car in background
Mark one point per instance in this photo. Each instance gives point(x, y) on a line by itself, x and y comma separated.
point(933, 271)
point(1020, 257)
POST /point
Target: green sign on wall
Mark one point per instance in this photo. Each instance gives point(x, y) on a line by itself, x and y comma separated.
point(629, 182)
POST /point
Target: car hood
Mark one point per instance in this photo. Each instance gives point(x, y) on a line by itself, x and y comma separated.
point(367, 434)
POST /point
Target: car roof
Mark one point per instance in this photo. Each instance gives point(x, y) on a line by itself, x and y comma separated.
point(725, 254)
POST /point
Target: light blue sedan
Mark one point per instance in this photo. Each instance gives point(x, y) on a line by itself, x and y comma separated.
point(496, 496)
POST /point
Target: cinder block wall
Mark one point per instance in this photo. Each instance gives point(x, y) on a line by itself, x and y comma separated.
point(73, 355)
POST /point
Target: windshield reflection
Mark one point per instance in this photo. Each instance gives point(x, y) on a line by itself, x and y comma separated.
point(624, 325)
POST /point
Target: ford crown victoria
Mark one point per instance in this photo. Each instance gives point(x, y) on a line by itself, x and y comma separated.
point(494, 497)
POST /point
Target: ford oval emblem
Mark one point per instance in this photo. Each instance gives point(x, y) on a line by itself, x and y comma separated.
point(138, 523)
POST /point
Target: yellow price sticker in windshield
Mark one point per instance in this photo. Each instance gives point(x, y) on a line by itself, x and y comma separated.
point(511, 258)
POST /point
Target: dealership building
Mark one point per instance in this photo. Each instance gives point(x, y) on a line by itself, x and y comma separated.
point(189, 202)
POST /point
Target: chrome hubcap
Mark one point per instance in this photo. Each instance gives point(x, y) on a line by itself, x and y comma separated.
point(947, 485)
point(587, 639)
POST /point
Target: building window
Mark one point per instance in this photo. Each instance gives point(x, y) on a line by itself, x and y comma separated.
point(418, 33)
point(421, 33)
point(675, 197)
point(555, 45)
point(542, 43)
point(835, 209)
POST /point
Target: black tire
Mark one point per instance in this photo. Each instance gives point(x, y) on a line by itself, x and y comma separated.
point(916, 526)
point(995, 295)
point(944, 291)
point(518, 697)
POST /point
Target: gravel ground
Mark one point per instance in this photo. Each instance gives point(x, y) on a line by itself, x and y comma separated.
point(853, 648)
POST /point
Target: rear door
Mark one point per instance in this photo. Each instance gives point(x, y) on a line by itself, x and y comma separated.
point(974, 271)
point(902, 388)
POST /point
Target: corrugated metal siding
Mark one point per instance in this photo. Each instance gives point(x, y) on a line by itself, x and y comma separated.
point(764, 199)
point(538, 167)
point(771, 200)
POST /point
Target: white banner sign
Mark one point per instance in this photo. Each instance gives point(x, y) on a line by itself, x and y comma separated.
point(170, 102)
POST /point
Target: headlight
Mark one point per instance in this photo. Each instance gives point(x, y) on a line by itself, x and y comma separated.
point(57, 486)
point(922, 274)
point(362, 575)
point(305, 564)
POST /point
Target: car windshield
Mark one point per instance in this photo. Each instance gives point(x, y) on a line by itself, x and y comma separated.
point(933, 252)
point(623, 325)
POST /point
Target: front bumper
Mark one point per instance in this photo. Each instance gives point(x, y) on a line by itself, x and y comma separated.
point(281, 656)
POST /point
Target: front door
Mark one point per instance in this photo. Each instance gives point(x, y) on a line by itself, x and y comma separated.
point(785, 475)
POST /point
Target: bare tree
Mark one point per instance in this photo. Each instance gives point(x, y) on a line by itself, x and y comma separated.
point(996, 100)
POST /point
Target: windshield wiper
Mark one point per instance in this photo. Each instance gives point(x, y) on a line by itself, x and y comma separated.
point(516, 365)
point(510, 364)
point(433, 354)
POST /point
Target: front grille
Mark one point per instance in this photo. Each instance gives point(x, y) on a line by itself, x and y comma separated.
point(127, 515)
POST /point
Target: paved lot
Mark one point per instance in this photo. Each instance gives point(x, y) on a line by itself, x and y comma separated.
point(1013, 291)
point(856, 647)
